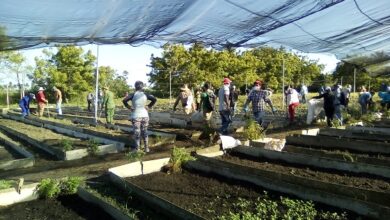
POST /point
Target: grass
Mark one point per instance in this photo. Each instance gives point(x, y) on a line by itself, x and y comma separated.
point(5, 184)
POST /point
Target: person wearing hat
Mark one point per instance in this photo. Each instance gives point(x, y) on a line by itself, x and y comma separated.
point(24, 104)
point(329, 106)
point(42, 101)
point(186, 98)
point(58, 97)
point(292, 99)
point(139, 114)
point(224, 105)
point(108, 105)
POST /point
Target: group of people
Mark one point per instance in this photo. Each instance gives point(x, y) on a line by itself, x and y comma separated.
point(41, 100)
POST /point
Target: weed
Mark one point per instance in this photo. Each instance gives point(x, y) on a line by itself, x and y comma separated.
point(5, 184)
point(93, 146)
point(253, 130)
point(179, 156)
point(66, 145)
point(48, 188)
point(134, 156)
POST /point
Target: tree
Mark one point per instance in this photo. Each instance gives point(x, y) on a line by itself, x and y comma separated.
point(69, 69)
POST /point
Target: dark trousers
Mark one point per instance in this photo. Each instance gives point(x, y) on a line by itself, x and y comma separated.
point(225, 117)
point(89, 105)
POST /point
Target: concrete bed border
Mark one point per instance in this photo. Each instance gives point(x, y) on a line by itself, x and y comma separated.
point(68, 155)
point(118, 175)
point(339, 143)
point(370, 130)
point(345, 133)
point(307, 189)
point(315, 161)
point(27, 161)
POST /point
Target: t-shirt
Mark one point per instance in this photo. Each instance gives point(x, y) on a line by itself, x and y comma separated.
point(223, 91)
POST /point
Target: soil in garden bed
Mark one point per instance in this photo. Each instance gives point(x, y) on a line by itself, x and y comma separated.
point(63, 208)
point(43, 135)
point(6, 154)
point(208, 196)
point(375, 159)
point(337, 177)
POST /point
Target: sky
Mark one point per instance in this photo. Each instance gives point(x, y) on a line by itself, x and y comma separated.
point(136, 59)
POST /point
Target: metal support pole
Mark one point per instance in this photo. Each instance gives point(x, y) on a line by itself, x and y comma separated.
point(7, 96)
point(97, 84)
point(283, 95)
point(170, 89)
point(354, 79)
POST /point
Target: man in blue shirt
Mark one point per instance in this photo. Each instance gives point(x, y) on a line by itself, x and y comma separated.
point(24, 104)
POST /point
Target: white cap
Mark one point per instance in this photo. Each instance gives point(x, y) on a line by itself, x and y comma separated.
point(40, 89)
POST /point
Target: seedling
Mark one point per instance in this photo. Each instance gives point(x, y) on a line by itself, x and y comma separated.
point(66, 144)
point(179, 157)
point(93, 146)
point(48, 188)
point(136, 155)
point(70, 184)
point(253, 130)
point(5, 184)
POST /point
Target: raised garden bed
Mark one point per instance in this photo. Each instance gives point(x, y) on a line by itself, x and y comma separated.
point(13, 155)
point(307, 159)
point(66, 207)
point(192, 196)
point(60, 146)
point(333, 132)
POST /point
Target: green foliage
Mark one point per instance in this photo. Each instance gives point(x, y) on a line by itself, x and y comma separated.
point(179, 156)
point(284, 209)
point(66, 145)
point(198, 64)
point(134, 156)
point(51, 188)
point(253, 130)
point(70, 184)
point(93, 146)
point(5, 184)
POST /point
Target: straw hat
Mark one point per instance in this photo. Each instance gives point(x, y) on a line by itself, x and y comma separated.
point(184, 87)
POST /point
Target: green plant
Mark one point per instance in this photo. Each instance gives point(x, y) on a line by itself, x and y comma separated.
point(179, 156)
point(70, 184)
point(298, 209)
point(66, 144)
point(5, 184)
point(93, 146)
point(48, 188)
point(134, 156)
point(253, 130)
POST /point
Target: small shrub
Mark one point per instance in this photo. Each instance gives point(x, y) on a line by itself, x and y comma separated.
point(134, 156)
point(93, 146)
point(49, 188)
point(66, 144)
point(5, 184)
point(179, 156)
point(70, 184)
point(253, 130)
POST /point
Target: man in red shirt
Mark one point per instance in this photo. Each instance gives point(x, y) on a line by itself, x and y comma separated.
point(41, 100)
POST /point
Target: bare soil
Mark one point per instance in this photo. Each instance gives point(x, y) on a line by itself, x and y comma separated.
point(63, 208)
point(369, 183)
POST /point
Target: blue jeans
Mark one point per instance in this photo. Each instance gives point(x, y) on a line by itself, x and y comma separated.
point(259, 117)
point(225, 117)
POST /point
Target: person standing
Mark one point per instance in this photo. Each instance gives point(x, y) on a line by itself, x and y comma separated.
point(303, 93)
point(224, 105)
point(24, 104)
point(292, 102)
point(198, 98)
point(259, 98)
point(345, 95)
point(139, 116)
point(364, 99)
point(186, 98)
point(42, 101)
point(328, 104)
point(108, 105)
point(234, 93)
point(337, 102)
point(58, 97)
point(207, 103)
point(90, 98)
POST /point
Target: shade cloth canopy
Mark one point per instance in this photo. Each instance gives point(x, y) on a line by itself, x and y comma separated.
point(340, 27)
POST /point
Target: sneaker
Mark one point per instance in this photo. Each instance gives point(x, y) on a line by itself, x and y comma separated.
point(147, 150)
